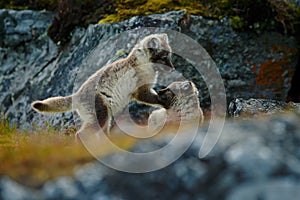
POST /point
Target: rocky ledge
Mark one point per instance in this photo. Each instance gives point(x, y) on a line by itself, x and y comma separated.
point(33, 67)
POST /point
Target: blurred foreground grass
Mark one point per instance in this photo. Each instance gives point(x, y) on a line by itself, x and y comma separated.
point(33, 157)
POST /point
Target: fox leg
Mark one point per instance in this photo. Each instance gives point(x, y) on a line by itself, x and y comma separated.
point(87, 130)
point(146, 95)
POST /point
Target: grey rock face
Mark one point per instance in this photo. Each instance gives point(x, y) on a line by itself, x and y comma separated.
point(17, 27)
point(25, 51)
point(244, 60)
point(33, 67)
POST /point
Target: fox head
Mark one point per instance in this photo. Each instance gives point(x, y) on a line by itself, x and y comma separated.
point(155, 48)
point(178, 92)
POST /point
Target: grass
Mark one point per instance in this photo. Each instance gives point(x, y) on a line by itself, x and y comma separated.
point(31, 158)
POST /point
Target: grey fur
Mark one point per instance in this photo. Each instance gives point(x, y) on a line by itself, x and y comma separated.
point(181, 106)
point(110, 89)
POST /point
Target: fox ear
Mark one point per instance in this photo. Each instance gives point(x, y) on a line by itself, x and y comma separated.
point(154, 43)
point(165, 36)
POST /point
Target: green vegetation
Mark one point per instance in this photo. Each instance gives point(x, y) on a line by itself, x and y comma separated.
point(29, 4)
point(129, 8)
point(261, 14)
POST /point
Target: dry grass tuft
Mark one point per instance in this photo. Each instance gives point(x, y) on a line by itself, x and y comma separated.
point(31, 158)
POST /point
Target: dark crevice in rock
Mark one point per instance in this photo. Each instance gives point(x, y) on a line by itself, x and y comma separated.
point(41, 70)
point(294, 92)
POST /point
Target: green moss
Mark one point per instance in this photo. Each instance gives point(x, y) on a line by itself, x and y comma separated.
point(236, 22)
point(243, 14)
point(129, 8)
point(29, 4)
point(287, 14)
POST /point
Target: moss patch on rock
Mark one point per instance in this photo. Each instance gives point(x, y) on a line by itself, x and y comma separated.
point(129, 8)
point(243, 14)
point(29, 4)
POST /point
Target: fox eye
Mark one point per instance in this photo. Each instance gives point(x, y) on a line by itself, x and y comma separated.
point(164, 54)
point(162, 95)
point(167, 94)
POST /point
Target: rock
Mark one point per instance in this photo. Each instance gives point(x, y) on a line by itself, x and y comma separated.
point(190, 172)
point(90, 177)
point(62, 188)
point(19, 27)
point(259, 107)
point(10, 190)
point(285, 188)
point(248, 156)
point(33, 67)
point(25, 51)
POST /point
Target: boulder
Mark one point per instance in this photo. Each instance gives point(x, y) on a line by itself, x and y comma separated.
point(246, 108)
point(33, 67)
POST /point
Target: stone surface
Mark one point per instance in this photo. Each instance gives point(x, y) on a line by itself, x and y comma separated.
point(276, 189)
point(11, 190)
point(259, 107)
point(64, 187)
point(33, 67)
